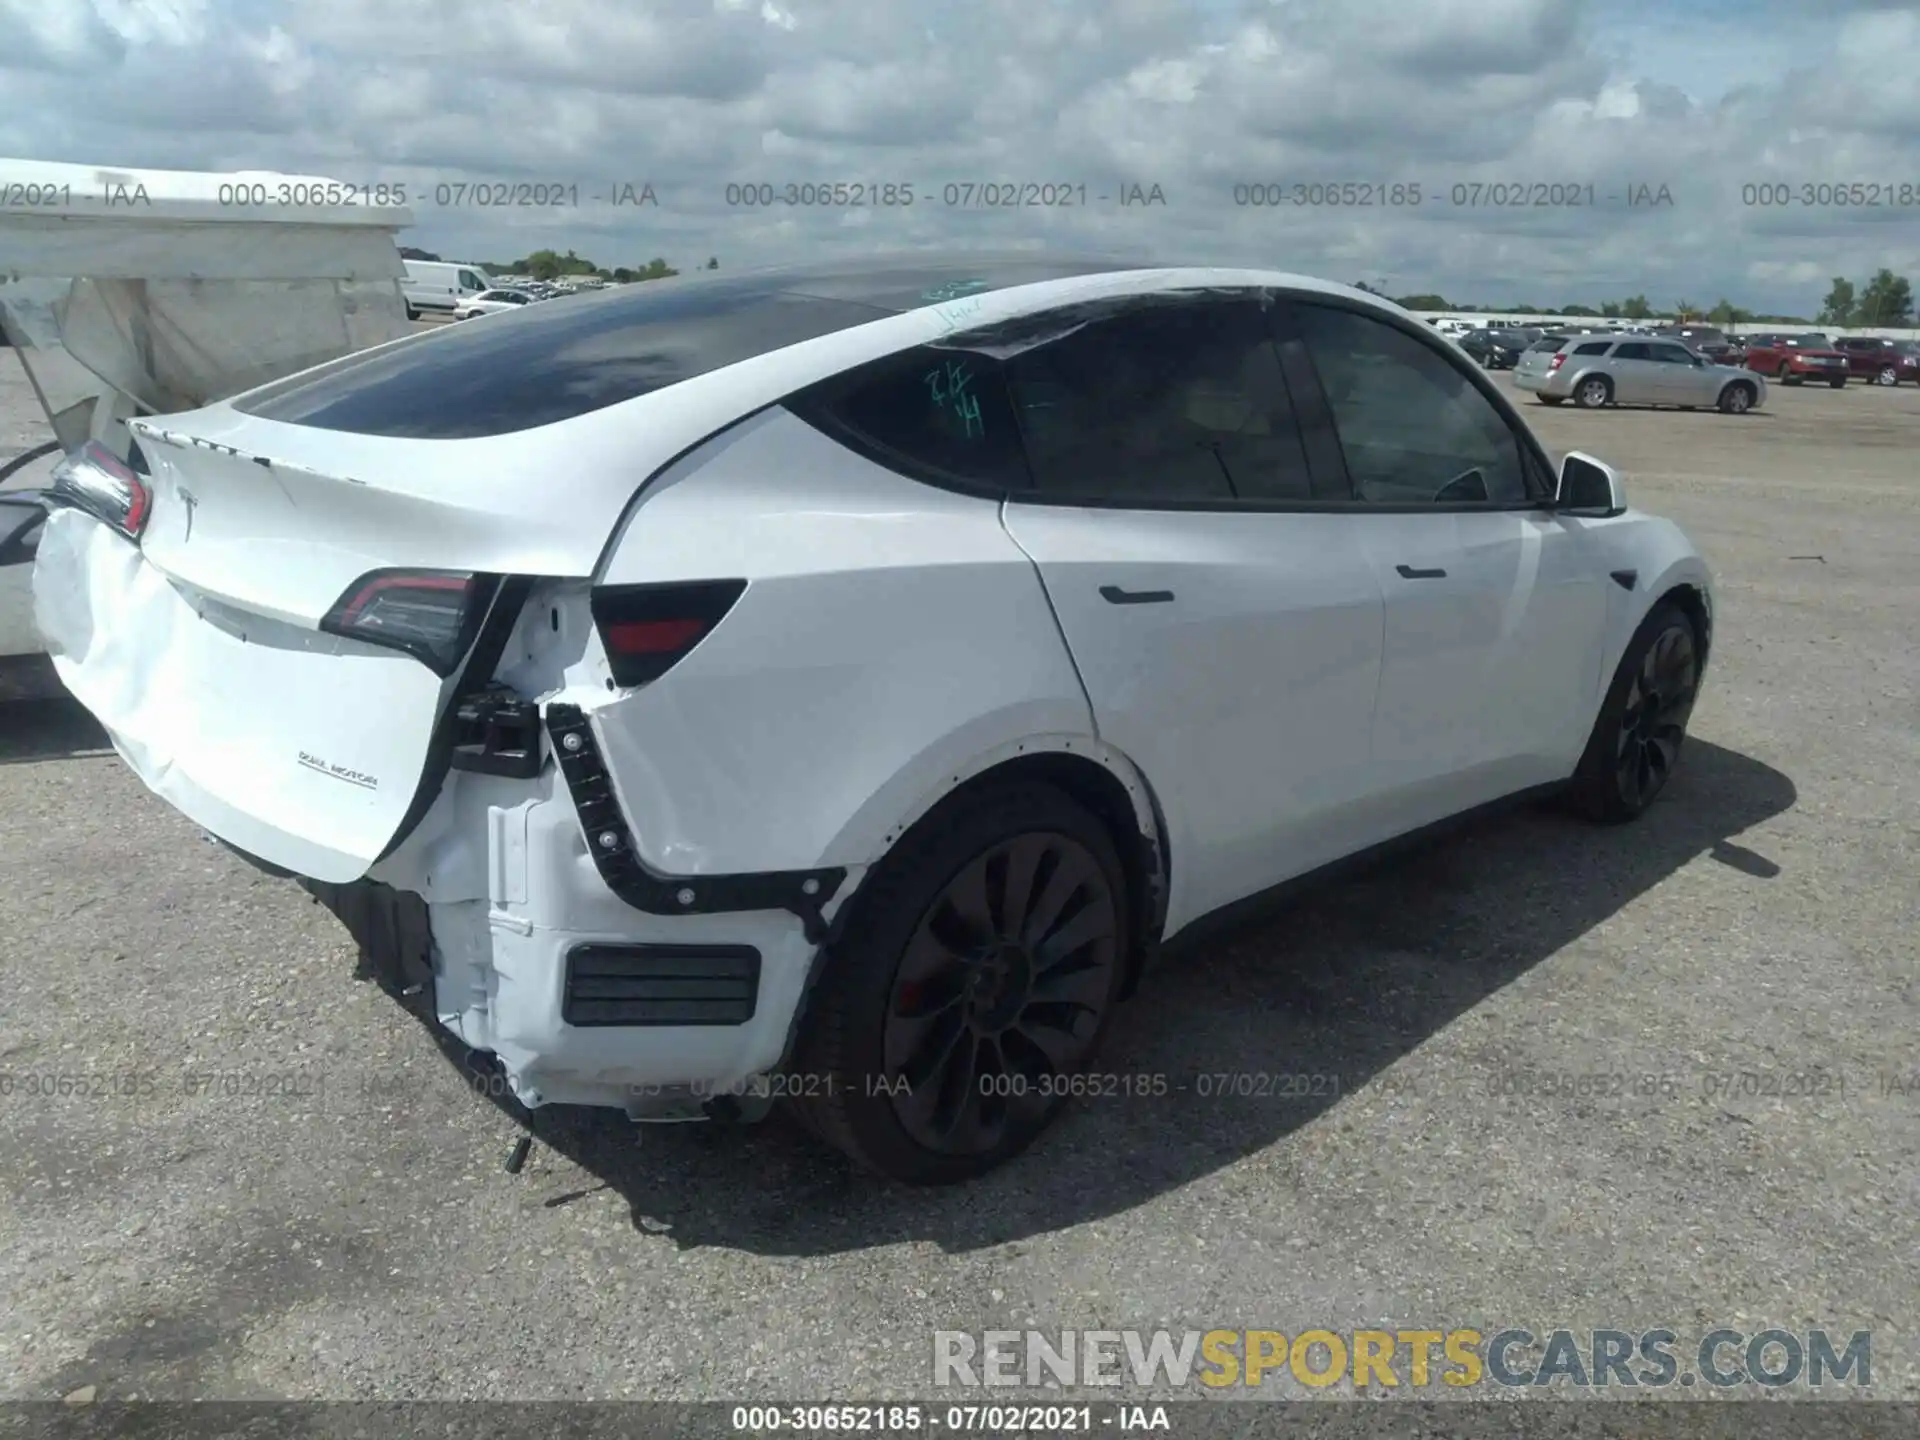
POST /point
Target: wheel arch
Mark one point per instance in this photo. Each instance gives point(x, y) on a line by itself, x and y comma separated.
point(1095, 774)
point(1691, 597)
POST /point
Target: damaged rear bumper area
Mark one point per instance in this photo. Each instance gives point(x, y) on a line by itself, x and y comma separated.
point(665, 1018)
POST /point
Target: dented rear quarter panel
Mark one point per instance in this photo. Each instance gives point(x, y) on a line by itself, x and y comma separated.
point(892, 639)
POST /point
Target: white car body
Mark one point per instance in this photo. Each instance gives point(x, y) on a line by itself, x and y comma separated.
point(889, 640)
point(127, 291)
point(439, 287)
point(497, 301)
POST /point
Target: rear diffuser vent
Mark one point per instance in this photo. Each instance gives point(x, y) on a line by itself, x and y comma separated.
point(661, 985)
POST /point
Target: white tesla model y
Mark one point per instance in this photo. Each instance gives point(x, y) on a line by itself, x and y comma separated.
point(835, 682)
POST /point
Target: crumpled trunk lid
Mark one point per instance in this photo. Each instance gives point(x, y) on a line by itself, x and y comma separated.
point(301, 748)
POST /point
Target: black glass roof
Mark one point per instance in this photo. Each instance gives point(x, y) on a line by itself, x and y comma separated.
point(551, 361)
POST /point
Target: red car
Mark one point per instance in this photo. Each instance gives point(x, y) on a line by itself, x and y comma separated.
point(1790, 359)
point(1884, 362)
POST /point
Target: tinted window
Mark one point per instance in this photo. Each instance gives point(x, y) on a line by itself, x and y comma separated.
point(1592, 347)
point(1634, 350)
point(1548, 343)
point(931, 413)
point(1672, 355)
point(1167, 403)
point(1415, 427)
point(555, 361)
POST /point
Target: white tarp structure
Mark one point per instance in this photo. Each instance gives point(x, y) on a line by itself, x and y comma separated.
point(175, 288)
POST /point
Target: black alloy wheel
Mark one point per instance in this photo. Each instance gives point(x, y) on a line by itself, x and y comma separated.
point(1001, 992)
point(979, 970)
point(1653, 721)
point(1637, 738)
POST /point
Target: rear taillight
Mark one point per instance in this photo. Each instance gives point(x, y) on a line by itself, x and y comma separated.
point(433, 615)
point(1556, 362)
point(100, 482)
point(648, 629)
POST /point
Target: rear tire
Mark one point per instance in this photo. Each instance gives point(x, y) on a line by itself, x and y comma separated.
point(1642, 724)
point(1594, 393)
point(1549, 399)
point(977, 975)
point(1837, 384)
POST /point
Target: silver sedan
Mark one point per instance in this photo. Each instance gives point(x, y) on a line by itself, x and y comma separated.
point(1594, 370)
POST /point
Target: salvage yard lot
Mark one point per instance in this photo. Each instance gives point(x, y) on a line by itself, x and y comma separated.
point(269, 1181)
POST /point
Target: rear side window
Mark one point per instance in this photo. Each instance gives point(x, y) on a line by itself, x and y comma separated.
point(1548, 343)
point(935, 414)
point(1596, 347)
point(548, 363)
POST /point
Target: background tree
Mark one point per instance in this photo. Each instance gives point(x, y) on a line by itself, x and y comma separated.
point(1635, 307)
point(1838, 307)
point(1887, 300)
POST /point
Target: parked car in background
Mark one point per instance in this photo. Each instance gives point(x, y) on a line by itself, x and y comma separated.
point(437, 287)
point(560, 659)
point(1702, 339)
point(1594, 371)
point(1494, 349)
point(1882, 361)
point(1796, 359)
point(491, 302)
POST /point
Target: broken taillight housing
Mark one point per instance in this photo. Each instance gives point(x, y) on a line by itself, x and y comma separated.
point(432, 615)
point(648, 629)
point(98, 481)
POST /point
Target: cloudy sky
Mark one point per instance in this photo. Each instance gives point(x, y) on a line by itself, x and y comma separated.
point(1201, 98)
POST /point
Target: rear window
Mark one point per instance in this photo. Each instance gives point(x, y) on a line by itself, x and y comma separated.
point(547, 363)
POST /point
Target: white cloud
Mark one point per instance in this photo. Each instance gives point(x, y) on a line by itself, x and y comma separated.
point(1194, 96)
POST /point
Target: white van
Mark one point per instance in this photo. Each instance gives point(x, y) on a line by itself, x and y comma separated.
point(436, 286)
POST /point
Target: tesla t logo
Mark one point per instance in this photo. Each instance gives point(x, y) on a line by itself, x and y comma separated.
point(191, 501)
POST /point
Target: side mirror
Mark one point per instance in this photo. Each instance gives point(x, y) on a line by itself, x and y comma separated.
point(1589, 487)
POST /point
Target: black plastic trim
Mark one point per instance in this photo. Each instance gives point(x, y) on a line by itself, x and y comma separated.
point(509, 598)
point(650, 986)
point(610, 842)
point(22, 513)
point(1625, 579)
point(498, 733)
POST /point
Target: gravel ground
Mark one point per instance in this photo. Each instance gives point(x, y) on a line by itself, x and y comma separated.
point(359, 1239)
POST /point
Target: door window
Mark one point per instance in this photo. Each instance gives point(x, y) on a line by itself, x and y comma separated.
point(1415, 427)
point(1169, 403)
point(1671, 355)
point(1634, 351)
point(470, 281)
